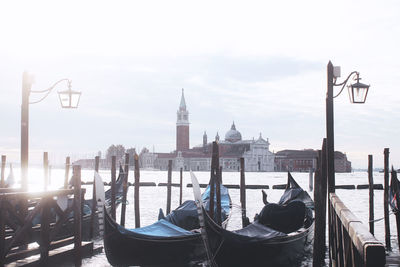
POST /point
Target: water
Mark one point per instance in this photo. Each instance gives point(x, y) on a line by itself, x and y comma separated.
point(153, 198)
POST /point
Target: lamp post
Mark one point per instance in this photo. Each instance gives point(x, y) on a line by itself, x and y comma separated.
point(357, 94)
point(68, 99)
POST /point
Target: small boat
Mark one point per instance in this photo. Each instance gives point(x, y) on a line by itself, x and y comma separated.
point(279, 236)
point(173, 241)
point(394, 192)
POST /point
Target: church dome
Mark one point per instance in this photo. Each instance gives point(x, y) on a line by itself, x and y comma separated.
point(233, 135)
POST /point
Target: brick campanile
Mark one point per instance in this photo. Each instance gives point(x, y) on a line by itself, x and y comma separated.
point(182, 126)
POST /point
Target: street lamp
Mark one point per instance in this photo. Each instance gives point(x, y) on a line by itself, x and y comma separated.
point(357, 94)
point(68, 99)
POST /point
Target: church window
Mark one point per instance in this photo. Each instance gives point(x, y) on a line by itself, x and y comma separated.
point(185, 117)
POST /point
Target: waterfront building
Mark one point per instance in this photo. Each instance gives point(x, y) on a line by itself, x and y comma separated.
point(306, 159)
point(255, 152)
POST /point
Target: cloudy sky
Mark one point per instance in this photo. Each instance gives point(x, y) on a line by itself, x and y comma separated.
point(261, 64)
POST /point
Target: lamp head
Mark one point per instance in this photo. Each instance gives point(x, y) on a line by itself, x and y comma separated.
point(358, 91)
point(69, 98)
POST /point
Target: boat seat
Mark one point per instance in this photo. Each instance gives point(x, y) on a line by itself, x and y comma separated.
point(284, 218)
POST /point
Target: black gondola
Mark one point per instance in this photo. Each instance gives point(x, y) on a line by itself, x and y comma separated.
point(171, 241)
point(281, 243)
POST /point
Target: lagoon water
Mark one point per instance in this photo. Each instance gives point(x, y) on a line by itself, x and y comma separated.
point(154, 198)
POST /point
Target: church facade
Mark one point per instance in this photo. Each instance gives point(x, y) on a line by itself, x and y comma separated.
point(255, 151)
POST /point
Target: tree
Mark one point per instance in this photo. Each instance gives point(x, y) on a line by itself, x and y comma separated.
point(115, 150)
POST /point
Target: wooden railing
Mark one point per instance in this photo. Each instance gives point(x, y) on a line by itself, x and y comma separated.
point(351, 244)
point(27, 218)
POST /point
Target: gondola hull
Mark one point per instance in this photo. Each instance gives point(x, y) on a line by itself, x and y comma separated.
point(127, 248)
point(233, 250)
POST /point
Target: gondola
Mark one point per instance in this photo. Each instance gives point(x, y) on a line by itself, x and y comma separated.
point(279, 236)
point(171, 241)
point(394, 192)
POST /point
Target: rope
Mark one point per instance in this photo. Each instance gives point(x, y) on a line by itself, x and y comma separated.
point(380, 219)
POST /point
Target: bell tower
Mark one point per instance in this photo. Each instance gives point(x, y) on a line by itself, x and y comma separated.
point(182, 126)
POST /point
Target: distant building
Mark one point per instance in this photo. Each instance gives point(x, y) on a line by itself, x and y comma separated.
point(305, 160)
point(255, 152)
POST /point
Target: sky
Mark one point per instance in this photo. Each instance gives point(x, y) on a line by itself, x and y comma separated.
point(261, 64)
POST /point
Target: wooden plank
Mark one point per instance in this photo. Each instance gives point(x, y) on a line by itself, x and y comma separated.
point(374, 186)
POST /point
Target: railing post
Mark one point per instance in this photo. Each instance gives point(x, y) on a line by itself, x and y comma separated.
point(77, 215)
point(386, 199)
point(46, 169)
point(371, 194)
point(169, 186)
point(137, 186)
point(45, 231)
point(2, 231)
point(3, 167)
point(113, 180)
point(67, 164)
point(125, 189)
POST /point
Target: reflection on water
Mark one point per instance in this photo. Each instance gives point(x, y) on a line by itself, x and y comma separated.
point(153, 198)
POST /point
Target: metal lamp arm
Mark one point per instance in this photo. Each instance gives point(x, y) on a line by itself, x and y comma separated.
point(344, 82)
point(48, 91)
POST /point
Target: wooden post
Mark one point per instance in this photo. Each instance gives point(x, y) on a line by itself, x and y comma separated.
point(169, 186)
point(67, 164)
point(46, 170)
point(243, 192)
point(320, 191)
point(3, 167)
point(125, 189)
point(180, 186)
point(77, 215)
point(310, 180)
point(2, 229)
point(94, 199)
point(137, 186)
point(386, 198)
point(397, 215)
point(212, 180)
point(113, 180)
point(220, 174)
point(45, 232)
point(218, 187)
point(371, 195)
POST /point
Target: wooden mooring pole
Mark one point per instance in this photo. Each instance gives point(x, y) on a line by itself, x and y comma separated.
point(77, 215)
point(320, 196)
point(46, 169)
point(180, 186)
point(137, 186)
point(169, 186)
point(3, 167)
point(394, 178)
point(124, 189)
point(113, 180)
point(371, 194)
point(243, 192)
point(67, 164)
point(94, 199)
point(218, 185)
point(386, 198)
